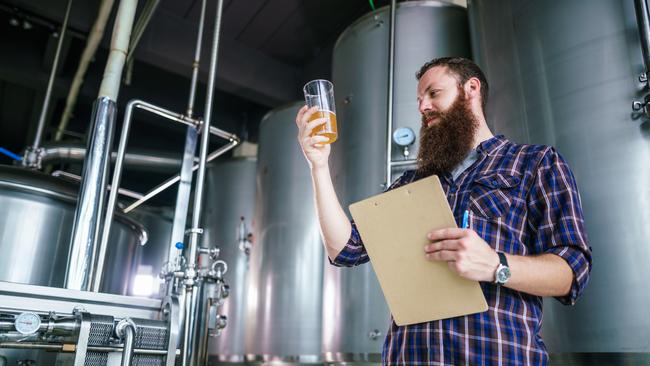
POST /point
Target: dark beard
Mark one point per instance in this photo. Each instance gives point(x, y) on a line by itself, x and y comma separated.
point(446, 143)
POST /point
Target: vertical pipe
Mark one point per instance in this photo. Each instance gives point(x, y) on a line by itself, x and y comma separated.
point(90, 204)
point(191, 136)
point(192, 343)
point(391, 86)
point(643, 21)
point(112, 198)
point(129, 341)
point(50, 82)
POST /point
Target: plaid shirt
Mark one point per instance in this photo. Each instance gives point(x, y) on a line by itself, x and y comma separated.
point(522, 200)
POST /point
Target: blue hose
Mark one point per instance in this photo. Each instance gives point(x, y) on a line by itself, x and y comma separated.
point(10, 154)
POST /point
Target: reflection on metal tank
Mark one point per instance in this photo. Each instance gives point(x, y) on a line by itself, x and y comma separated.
point(286, 264)
point(35, 228)
point(230, 196)
point(150, 258)
point(565, 73)
point(355, 313)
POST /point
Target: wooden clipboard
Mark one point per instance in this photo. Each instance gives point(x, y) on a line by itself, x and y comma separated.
point(393, 226)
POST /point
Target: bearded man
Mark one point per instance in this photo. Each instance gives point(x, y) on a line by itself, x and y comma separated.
point(526, 237)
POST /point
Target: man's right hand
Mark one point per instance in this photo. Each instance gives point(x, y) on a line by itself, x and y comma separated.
point(315, 151)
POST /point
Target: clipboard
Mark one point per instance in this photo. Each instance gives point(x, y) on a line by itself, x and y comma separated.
point(393, 226)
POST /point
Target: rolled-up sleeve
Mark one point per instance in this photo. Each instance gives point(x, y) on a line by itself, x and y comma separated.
point(556, 220)
point(354, 253)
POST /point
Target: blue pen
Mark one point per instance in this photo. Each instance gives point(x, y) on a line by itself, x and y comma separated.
point(465, 219)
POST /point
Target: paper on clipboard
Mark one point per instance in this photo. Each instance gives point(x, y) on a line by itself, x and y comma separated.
point(393, 226)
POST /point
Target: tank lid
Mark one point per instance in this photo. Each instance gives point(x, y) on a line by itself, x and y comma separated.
point(35, 182)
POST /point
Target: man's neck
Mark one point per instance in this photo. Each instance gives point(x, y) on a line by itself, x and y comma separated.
point(482, 134)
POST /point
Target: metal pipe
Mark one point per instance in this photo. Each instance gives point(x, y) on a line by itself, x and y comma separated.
point(90, 204)
point(60, 348)
point(7, 326)
point(50, 82)
point(142, 160)
point(77, 178)
point(643, 21)
point(126, 330)
point(141, 25)
point(391, 82)
point(185, 182)
point(88, 214)
point(94, 38)
point(197, 62)
point(171, 181)
point(399, 163)
point(192, 343)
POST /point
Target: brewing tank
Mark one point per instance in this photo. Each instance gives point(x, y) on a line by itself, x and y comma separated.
point(286, 264)
point(356, 316)
point(35, 227)
point(565, 73)
point(230, 198)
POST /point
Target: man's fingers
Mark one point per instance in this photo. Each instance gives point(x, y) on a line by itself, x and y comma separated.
point(306, 115)
point(442, 245)
point(316, 140)
point(443, 255)
point(300, 114)
point(449, 233)
point(309, 127)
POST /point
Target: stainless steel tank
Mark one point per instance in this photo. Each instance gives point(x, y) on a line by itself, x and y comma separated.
point(565, 73)
point(356, 316)
point(286, 264)
point(35, 228)
point(230, 196)
point(150, 258)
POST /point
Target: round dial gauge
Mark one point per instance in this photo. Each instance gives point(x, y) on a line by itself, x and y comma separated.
point(27, 323)
point(404, 136)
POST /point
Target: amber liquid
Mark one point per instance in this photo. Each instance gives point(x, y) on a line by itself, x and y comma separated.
point(328, 128)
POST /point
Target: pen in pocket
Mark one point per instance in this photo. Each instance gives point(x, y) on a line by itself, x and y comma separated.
point(465, 224)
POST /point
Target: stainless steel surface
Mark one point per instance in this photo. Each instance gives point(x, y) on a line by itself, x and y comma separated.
point(191, 354)
point(563, 74)
point(643, 24)
point(50, 82)
point(155, 161)
point(230, 196)
point(35, 222)
point(81, 348)
point(285, 280)
point(90, 205)
point(197, 62)
point(353, 304)
point(46, 299)
point(391, 91)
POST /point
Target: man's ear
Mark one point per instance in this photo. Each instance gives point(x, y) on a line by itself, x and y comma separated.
point(472, 87)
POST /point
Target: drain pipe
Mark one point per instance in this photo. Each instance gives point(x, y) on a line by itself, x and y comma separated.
point(31, 158)
point(90, 204)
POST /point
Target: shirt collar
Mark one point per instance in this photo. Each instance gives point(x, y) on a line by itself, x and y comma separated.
point(491, 145)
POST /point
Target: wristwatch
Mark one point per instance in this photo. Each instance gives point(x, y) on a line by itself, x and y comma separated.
point(502, 274)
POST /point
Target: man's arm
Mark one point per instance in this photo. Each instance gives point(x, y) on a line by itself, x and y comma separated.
point(334, 225)
point(467, 254)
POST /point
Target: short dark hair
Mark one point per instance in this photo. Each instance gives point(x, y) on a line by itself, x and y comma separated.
point(463, 69)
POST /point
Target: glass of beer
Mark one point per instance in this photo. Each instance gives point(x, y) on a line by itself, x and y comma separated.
point(320, 93)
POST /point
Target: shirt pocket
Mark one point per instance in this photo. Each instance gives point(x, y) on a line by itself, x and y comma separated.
point(493, 194)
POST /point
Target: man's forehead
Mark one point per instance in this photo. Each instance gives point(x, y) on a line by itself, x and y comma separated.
point(436, 77)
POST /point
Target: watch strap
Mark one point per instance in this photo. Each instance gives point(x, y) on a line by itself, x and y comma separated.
point(502, 259)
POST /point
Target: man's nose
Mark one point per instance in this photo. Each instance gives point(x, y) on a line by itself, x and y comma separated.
point(424, 106)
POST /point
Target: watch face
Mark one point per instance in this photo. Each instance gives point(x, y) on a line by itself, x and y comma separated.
point(503, 275)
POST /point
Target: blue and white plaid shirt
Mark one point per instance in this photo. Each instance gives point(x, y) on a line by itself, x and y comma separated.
point(522, 200)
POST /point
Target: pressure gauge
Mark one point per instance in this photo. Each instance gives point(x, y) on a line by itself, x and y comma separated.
point(404, 136)
point(27, 323)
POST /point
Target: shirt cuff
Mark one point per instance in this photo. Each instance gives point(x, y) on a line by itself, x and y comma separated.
point(354, 253)
point(580, 263)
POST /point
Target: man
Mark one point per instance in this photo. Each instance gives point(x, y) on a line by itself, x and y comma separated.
point(526, 236)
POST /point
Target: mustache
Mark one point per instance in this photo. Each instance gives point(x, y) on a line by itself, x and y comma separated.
point(426, 116)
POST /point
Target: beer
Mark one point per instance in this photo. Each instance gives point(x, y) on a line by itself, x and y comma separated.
point(328, 128)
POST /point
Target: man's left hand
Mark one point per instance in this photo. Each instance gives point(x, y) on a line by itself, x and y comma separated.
point(465, 252)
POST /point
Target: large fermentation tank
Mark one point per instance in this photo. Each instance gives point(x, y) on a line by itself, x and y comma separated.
point(35, 228)
point(230, 196)
point(286, 264)
point(565, 73)
point(356, 316)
